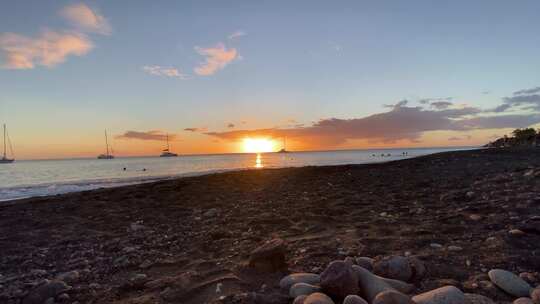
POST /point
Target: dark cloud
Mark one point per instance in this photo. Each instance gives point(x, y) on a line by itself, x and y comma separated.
point(431, 100)
point(440, 105)
point(195, 129)
point(399, 104)
point(400, 123)
point(148, 135)
point(230, 125)
point(455, 138)
point(528, 91)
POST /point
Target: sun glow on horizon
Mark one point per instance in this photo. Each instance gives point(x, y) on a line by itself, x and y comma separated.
point(257, 145)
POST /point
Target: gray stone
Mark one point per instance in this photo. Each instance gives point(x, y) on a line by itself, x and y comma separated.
point(303, 289)
point(418, 267)
point(290, 280)
point(318, 298)
point(443, 295)
point(392, 297)
point(69, 277)
point(354, 299)
point(370, 284)
point(472, 298)
point(394, 267)
point(48, 289)
point(509, 282)
point(339, 280)
point(365, 262)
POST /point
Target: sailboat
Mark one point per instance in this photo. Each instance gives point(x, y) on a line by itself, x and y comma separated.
point(5, 159)
point(284, 149)
point(166, 152)
point(107, 155)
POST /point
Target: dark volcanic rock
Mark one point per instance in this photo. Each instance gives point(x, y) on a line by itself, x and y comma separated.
point(339, 280)
point(394, 267)
point(269, 257)
point(47, 289)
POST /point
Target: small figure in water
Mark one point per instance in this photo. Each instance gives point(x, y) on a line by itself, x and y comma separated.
point(144, 169)
point(124, 168)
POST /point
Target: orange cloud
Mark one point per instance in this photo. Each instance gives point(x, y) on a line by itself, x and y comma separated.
point(85, 19)
point(216, 59)
point(49, 49)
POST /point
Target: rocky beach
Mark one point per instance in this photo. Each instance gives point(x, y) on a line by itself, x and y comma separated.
point(453, 227)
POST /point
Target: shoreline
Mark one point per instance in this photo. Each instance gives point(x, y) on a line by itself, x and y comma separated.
point(172, 241)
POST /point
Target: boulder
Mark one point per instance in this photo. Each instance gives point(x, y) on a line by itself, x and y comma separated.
point(472, 298)
point(443, 295)
point(45, 290)
point(303, 289)
point(392, 297)
point(290, 280)
point(370, 284)
point(339, 280)
point(318, 298)
point(393, 267)
point(269, 257)
point(354, 299)
point(509, 282)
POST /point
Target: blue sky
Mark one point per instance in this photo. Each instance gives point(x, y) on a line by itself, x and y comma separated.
point(302, 61)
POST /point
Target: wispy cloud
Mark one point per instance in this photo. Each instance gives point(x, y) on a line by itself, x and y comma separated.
point(236, 35)
point(230, 125)
point(157, 70)
point(86, 19)
point(440, 105)
point(148, 135)
point(48, 49)
point(196, 129)
point(457, 138)
point(216, 59)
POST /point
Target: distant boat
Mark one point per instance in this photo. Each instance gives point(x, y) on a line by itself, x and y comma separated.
point(166, 152)
point(107, 155)
point(284, 149)
point(5, 159)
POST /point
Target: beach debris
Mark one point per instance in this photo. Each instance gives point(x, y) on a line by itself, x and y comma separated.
point(443, 295)
point(269, 257)
point(339, 280)
point(310, 278)
point(509, 282)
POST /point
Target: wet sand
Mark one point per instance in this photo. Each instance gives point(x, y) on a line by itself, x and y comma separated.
point(174, 241)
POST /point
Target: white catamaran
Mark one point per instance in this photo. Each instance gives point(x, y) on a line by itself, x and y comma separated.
point(107, 155)
point(166, 152)
point(5, 159)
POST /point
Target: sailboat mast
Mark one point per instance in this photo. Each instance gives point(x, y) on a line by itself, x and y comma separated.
point(284, 143)
point(106, 143)
point(4, 140)
point(167, 135)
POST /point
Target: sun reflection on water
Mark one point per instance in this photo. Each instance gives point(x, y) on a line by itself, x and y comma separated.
point(258, 161)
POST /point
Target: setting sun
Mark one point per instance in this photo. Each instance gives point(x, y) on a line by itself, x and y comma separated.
point(258, 145)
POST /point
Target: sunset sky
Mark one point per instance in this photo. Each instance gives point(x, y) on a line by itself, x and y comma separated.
point(323, 74)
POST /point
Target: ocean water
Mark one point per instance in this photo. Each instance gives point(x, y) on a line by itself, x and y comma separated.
point(29, 178)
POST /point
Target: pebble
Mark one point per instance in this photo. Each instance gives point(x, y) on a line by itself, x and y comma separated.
point(509, 282)
point(475, 217)
point(301, 289)
point(392, 297)
point(339, 280)
point(523, 300)
point(310, 278)
point(318, 298)
point(69, 277)
point(435, 246)
point(516, 232)
point(354, 299)
point(443, 295)
point(454, 248)
point(299, 299)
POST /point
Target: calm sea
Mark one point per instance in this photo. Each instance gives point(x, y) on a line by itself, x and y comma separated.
point(28, 178)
